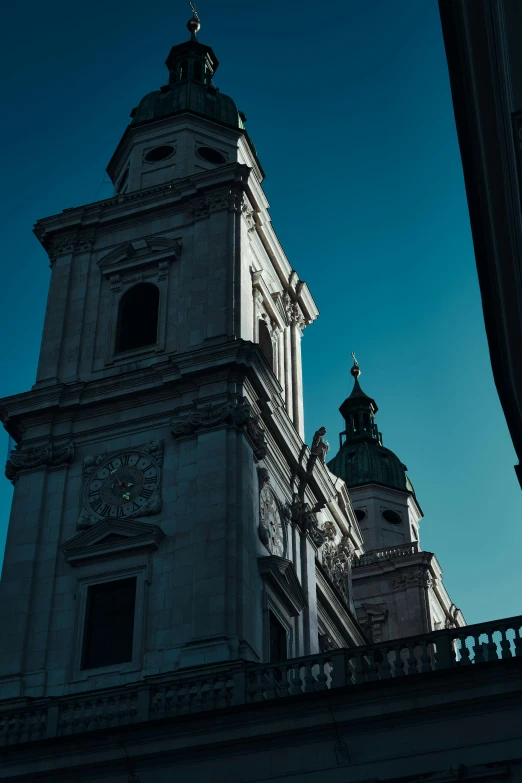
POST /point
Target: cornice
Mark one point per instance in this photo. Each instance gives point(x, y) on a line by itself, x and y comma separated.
point(239, 359)
point(100, 214)
point(395, 566)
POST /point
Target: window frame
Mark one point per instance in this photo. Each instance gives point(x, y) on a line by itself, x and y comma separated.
point(78, 674)
point(271, 604)
point(88, 620)
point(117, 335)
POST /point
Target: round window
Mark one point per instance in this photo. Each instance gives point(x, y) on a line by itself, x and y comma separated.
point(159, 153)
point(360, 515)
point(392, 517)
point(211, 155)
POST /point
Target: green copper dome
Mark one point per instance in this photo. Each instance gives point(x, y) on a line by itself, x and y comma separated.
point(196, 97)
point(362, 459)
point(368, 462)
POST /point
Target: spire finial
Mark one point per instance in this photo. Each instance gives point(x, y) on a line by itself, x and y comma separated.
point(355, 371)
point(194, 23)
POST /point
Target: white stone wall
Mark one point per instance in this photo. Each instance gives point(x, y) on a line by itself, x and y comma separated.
point(205, 239)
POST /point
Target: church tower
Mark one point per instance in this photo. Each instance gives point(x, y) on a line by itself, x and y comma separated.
point(398, 587)
point(166, 513)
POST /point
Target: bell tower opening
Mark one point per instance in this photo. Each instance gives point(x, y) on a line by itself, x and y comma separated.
point(138, 318)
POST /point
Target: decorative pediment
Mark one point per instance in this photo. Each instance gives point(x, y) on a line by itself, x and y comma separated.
point(139, 252)
point(112, 538)
point(280, 574)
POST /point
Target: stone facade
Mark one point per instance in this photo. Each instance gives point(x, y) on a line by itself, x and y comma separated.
point(223, 410)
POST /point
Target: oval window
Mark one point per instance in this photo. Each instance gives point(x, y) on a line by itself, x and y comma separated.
point(159, 153)
point(211, 155)
point(360, 515)
point(392, 517)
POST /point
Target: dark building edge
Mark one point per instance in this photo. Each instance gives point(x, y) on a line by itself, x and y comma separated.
point(478, 71)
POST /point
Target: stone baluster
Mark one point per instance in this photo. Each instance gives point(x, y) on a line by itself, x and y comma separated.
point(295, 679)
point(239, 693)
point(308, 678)
point(359, 669)
point(196, 701)
point(518, 640)
point(425, 657)
point(491, 646)
point(184, 706)
point(505, 644)
point(219, 693)
point(385, 671)
point(398, 663)
point(322, 678)
point(257, 688)
point(412, 662)
point(479, 649)
point(464, 655)
point(270, 684)
point(283, 685)
point(372, 668)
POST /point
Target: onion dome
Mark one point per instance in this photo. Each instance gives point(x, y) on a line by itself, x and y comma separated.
point(362, 459)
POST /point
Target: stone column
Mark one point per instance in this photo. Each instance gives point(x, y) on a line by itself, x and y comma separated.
point(288, 370)
point(297, 372)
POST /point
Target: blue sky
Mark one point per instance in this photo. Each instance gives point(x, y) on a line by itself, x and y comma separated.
point(349, 106)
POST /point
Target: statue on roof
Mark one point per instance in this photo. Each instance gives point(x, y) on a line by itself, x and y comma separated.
point(320, 447)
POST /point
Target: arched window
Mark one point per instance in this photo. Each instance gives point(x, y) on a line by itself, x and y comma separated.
point(138, 317)
point(265, 343)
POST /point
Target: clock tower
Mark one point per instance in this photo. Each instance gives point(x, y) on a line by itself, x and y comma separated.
point(166, 512)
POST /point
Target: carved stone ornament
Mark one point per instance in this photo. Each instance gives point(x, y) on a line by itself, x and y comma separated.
point(121, 484)
point(293, 311)
point(336, 562)
point(236, 412)
point(248, 214)
point(302, 515)
point(271, 526)
point(71, 243)
point(47, 455)
point(415, 577)
point(202, 206)
point(326, 643)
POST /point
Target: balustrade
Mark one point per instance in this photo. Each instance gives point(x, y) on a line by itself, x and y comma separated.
point(242, 683)
point(376, 555)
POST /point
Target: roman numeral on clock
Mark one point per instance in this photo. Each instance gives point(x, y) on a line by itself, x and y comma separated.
point(95, 505)
point(146, 493)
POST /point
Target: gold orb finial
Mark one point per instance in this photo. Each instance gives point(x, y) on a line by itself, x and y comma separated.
point(193, 23)
point(356, 370)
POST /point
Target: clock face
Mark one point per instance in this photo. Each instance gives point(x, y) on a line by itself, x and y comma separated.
point(122, 485)
point(271, 519)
